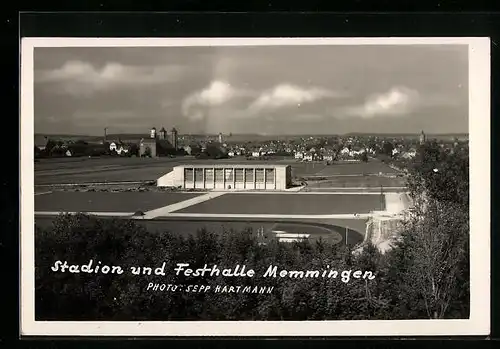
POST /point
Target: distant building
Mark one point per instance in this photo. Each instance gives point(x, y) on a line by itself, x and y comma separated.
point(227, 176)
point(345, 151)
point(409, 154)
point(118, 147)
point(422, 137)
point(308, 157)
point(175, 139)
point(163, 133)
point(147, 147)
point(153, 133)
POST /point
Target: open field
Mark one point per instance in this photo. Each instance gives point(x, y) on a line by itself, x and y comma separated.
point(341, 169)
point(116, 169)
point(83, 170)
point(107, 201)
point(330, 229)
point(288, 204)
point(358, 182)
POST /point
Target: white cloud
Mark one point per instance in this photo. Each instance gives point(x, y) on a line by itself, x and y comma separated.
point(216, 94)
point(285, 95)
point(77, 77)
point(398, 101)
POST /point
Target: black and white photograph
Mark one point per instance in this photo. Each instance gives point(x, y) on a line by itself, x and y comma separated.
point(176, 187)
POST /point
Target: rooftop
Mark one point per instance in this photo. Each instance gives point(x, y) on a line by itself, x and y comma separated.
point(234, 165)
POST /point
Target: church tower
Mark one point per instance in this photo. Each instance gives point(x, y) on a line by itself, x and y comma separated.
point(153, 133)
point(174, 138)
point(163, 133)
point(422, 137)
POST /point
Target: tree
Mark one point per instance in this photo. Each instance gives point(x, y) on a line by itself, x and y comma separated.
point(164, 148)
point(442, 175)
point(195, 149)
point(134, 150)
point(49, 146)
point(430, 265)
point(214, 151)
point(431, 261)
point(387, 148)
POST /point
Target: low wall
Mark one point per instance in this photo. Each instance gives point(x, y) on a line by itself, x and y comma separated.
point(167, 180)
point(384, 226)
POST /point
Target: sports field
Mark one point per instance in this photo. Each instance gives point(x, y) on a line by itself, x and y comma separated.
point(321, 212)
point(288, 204)
point(107, 201)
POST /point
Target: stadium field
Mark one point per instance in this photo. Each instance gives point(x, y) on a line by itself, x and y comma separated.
point(107, 201)
point(288, 204)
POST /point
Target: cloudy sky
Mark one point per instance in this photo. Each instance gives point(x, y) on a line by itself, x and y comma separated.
point(266, 90)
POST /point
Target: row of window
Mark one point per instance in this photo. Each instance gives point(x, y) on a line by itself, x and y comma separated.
point(240, 175)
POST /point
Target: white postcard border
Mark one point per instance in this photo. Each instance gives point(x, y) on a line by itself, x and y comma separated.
point(479, 143)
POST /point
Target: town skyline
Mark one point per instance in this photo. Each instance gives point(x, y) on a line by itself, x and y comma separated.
point(269, 90)
point(146, 133)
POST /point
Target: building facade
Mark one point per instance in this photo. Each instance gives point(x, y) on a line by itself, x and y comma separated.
point(147, 147)
point(229, 176)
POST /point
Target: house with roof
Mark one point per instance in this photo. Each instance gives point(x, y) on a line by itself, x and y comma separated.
point(308, 157)
point(119, 147)
point(299, 155)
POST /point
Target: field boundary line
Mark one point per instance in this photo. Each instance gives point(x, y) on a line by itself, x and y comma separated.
point(103, 214)
point(274, 216)
point(308, 193)
point(181, 205)
point(88, 184)
point(45, 192)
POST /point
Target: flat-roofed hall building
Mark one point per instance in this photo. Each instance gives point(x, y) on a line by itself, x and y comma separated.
point(229, 176)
